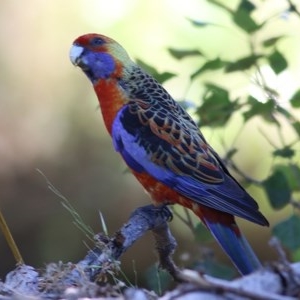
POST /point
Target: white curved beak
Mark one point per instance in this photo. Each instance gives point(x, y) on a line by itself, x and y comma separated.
point(75, 53)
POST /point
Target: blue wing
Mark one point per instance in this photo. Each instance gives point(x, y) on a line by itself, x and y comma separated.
point(194, 171)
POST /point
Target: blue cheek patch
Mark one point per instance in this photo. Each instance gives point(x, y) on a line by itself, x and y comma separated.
point(98, 65)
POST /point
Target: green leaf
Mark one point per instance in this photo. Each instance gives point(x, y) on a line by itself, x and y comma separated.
point(246, 5)
point(277, 62)
point(180, 53)
point(214, 64)
point(292, 8)
point(271, 41)
point(292, 174)
point(295, 99)
point(217, 108)
point(284, 112)
point(202, 234)
point(160, 77)
point(286, 152)
point(277, 189)
point(256, 108)
point(242, 19)
point(243, 63)
point(296, 126)
point(288, 232)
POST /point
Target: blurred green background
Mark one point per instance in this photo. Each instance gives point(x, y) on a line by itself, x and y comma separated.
point(49, 118)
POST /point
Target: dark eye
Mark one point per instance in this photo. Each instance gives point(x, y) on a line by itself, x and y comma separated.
point(97, 41)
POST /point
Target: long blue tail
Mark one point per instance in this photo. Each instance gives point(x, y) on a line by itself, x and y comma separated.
point(235, 245)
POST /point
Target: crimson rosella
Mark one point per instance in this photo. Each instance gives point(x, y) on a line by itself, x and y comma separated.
point(164, 148)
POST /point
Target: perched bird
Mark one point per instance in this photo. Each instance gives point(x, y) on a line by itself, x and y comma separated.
point(164, 148)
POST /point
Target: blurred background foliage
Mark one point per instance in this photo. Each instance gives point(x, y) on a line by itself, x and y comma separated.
point(236, 67)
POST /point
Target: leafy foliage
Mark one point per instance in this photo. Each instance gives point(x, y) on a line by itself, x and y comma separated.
point(277, 189)
point(179, 53)
point(242, 63)
point(217, 107)
point(295, 100)
point(160, 77)
point(288, 231)
point(209, 65)
point(277, 62)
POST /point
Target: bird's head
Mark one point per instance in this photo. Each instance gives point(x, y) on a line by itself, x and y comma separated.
point(99, 57)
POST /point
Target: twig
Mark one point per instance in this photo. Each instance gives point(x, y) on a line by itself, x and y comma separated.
point(246, 287)
point(285, 270)
point(10, 240)
point(274, 242)
point(234, 167)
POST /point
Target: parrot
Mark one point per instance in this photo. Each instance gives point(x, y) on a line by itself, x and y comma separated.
point(164, 148)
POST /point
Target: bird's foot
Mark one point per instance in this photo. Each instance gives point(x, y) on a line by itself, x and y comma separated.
point(155, 214)
point(165, 244)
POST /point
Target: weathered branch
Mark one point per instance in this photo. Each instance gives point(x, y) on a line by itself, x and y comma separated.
point(141, 220)
point(278, 282)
